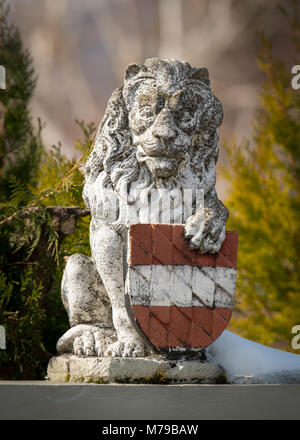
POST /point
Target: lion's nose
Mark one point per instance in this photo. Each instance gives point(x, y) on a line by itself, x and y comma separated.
point(164, 126)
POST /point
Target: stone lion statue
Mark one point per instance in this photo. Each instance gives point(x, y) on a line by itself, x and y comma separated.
point(159, 131)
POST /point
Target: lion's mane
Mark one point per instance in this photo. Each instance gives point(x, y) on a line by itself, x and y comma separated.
point(113, 151)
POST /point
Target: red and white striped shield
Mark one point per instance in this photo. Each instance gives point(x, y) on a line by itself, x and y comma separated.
point(179, 298)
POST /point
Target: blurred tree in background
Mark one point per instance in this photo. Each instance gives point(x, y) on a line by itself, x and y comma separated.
point(32, 248)
point(20, 143)
point(264, 206)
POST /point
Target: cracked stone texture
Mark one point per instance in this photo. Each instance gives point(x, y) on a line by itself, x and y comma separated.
point(159, 131)
point(72, 368)
point(182, 286)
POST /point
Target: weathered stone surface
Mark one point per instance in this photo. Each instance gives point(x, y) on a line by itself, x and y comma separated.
point(159, 133)
point(86, 339)
point(182, 286)
point(70, 368)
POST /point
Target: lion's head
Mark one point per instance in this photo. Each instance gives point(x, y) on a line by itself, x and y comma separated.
point(158, 129)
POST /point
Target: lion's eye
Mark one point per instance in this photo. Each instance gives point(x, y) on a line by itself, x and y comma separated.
point(146, 112)
point(182, 115)
point(185, 117)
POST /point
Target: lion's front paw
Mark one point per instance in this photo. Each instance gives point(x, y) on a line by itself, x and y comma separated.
point(131, 347)
point(207, 234)
point(210, 242)
point(214, 239)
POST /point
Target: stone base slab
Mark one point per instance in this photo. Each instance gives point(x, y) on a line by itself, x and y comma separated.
point(71, 368)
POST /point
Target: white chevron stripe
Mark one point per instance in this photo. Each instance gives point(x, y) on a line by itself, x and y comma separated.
point(181, 285)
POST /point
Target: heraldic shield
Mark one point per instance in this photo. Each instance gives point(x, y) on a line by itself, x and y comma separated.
point(178, 298)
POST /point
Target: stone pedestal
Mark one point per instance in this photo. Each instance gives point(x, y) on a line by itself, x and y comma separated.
point(71, 368)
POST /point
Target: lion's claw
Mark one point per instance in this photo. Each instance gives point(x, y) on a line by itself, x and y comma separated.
point(84, 345)
point(91, 343)
point(129, 348)
point(115, 349)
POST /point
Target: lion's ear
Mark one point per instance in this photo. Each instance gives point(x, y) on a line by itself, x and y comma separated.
point(201, 73)
point(132, 70)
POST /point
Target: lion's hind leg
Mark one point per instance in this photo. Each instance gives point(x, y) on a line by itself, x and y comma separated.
point(88, 307)
point(86, 340)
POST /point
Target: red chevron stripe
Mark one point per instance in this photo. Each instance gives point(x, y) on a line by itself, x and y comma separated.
point(173, 326)
point(166, 244)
